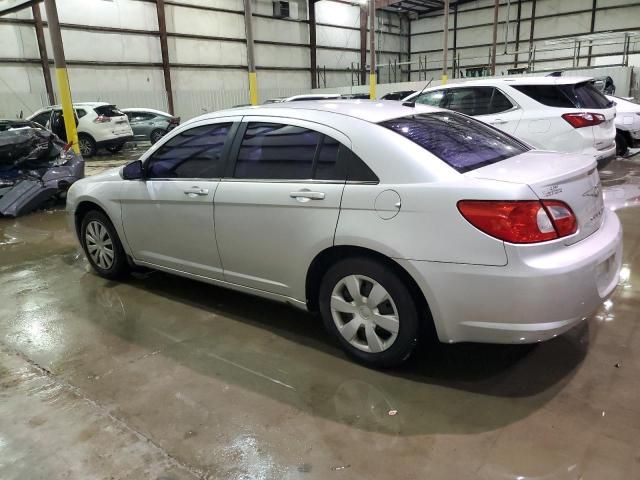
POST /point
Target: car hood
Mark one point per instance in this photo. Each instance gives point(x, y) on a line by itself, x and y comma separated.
point(111, 175)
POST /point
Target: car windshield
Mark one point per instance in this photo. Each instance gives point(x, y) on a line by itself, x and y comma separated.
point(462, 142)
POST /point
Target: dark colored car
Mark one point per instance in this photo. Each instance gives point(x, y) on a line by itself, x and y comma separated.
point(399, 95)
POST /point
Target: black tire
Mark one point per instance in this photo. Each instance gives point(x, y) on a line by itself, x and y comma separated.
point(87, 145)
point(400, 348)
point(115, 148)
point(119, 266)
point(622, 147)
point(156, 135)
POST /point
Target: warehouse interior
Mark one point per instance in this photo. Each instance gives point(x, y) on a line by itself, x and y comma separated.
point(165, 375)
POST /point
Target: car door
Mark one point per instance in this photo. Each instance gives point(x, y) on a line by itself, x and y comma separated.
point(168, 216)
point(279, 202)
point(43, 118)
point(501, 111)
point(141, 124)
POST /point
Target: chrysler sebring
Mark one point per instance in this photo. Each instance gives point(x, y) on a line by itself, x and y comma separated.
point(391, 221)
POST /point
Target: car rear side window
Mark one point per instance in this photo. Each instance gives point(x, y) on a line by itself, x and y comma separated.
point(276, 151)
point(588, 96)
point(463, 143)
point(549, 95)
point(193, 153)
point(108, 111)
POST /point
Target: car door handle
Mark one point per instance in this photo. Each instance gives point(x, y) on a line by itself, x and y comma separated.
point(306, 195)
point(196, 191)
point(498, 121)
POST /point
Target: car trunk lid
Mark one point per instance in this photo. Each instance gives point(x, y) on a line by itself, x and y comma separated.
point(570, 178)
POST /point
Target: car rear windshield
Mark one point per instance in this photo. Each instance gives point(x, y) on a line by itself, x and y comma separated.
point(462, 142)
point(579, 95)
point(108, 111)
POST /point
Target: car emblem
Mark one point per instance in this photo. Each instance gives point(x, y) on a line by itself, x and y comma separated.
point(592, 192)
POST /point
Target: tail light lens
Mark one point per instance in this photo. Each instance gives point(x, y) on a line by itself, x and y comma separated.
point(586, 119)
point(520, 221)
point(102, 119)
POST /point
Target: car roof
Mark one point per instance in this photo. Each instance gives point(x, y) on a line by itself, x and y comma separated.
point(146, 110)
point(518, 81)
point(373, 111)
point(83, 104)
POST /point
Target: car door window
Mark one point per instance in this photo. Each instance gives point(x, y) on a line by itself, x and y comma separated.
point(500, 102)
point(433, 98)
point(140, 117)
point(470, 101)
point(42, 118)
point(277, 151)
point(193, 153)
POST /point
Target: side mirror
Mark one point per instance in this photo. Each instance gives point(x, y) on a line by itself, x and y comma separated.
point(132, 170)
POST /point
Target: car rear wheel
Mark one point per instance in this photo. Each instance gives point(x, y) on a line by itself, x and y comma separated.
point(102, 246)
point(87, 145)
point(156, 135)
point(370, 311)
point(622, 147)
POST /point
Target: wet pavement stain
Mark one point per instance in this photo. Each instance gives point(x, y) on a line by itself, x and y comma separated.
point(228, 386)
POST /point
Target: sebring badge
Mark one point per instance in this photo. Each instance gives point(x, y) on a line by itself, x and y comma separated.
point(592, 192)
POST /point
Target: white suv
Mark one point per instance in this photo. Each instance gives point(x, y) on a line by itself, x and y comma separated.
point(100, 124)
point(627, 124)
point(565, 114)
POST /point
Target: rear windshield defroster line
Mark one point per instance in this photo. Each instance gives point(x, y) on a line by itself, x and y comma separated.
point(460, 141)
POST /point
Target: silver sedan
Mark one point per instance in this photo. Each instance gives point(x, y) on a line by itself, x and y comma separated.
point(392, 221)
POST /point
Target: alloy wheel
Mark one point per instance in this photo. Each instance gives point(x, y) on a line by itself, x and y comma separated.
point(99, 245)
point(85, 147)
point(364, 313)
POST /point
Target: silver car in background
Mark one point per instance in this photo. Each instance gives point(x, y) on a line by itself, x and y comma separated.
point(392, 221)
point(149, 124)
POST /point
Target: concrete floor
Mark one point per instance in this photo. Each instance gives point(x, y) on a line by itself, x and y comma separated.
point(165, 378)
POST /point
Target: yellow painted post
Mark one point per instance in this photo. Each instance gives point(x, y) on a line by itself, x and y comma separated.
point(444, 79)
point(253, 88)
point(372, 86)
point(64, 90)
point(67, 108)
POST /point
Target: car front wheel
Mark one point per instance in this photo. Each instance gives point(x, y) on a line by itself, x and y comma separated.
point(370, 311)
point(102, 246)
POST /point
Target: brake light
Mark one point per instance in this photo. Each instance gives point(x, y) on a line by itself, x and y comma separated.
point(520, 221)
point(585, 119)
point(102, 119)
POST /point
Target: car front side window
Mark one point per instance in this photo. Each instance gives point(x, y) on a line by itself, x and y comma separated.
point(193, 153)
point(433, 98)
point(275, 151)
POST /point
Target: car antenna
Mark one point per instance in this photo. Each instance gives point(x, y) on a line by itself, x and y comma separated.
point(412, 103)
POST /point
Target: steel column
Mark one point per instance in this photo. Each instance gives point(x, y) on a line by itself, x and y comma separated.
point(591, 30)
point(251, 60)
point(455, 39)
point(372, 49)
point(164, 51)
point(445, 43)
point(62, 78)
point(363, 44)
point(313, 46)
point(42, 49)
point(515, 59)
point(496, 6)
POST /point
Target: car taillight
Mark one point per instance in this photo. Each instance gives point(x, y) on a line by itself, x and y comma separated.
point(585, 119)
point(520, 221)
point(102, 119)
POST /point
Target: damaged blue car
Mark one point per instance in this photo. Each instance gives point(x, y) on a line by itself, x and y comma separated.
point(36, 167)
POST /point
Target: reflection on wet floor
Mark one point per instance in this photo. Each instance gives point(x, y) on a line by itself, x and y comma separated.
point(223, 385)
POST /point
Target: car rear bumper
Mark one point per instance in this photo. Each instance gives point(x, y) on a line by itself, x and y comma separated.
point(537, 296)
point(604, 156)
point(114, 141)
